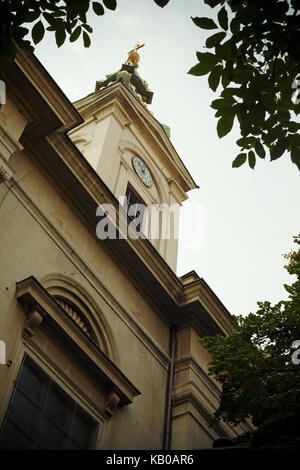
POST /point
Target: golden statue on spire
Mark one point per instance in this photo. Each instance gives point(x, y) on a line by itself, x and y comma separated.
point(133, 56)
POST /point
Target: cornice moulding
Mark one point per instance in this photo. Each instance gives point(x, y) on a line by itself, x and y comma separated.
point(189, 362)
point(190, 396)
point(43, 83)
point(176, 190)
point(8, 143)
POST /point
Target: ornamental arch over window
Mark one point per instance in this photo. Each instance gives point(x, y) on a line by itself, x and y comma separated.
point(84, 311)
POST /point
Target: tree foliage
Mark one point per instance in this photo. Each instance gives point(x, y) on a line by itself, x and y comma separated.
point(254, 55)
point(66, 18)
point(259, 369)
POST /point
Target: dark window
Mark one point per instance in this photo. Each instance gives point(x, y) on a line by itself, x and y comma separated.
point(136, 206)
point(41, 415)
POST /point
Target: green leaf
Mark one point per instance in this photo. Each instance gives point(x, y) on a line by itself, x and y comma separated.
point(271, 135)
point(295, 139)
point(215, 39)
point(239, 160)
point(52, 20)
point(231, 91)
point(20, 32)
point(251, 159)
point(278, 149)
point(293, 126)
point(214, 77)
point(87, 27)
point(227, 50)
point(221, 103)
point(82, 6)
point(258, 114)
point(204, 23)
point(76, 33)
point(161, 3)
point(86, 39)
point(225, 124)
point(82, 17)
point(246, 125)
point(207, 58)
point(59, 13)
point(38, 32)
point(110, 4)
point(31, 16)
point(98, 8)
point(241, 75)
point(223, 18)
point(227, 74)
point(199, 69)
point(60, 37)
point(234, 26)
point(283, 115)
point(259, 149)
point(212, 3)
point(246, 142)
point(220, 112)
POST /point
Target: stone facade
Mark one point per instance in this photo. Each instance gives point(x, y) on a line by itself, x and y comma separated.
point(107, 320)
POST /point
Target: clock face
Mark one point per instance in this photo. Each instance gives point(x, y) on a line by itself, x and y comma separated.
point(142, 171)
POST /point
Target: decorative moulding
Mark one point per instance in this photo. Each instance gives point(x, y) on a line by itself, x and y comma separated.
point(39, 305)
point(47, 89)
point(113, 108)
point(112, 401)
point(176, 190)
point(34, 318)
point(8, 146)
point(8, 143)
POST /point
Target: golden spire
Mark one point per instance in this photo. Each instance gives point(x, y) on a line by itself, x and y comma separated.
point(133, 56)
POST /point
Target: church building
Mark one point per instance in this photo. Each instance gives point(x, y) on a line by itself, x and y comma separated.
point(99, 336)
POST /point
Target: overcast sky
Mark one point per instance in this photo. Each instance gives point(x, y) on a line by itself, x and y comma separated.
point(247, 217)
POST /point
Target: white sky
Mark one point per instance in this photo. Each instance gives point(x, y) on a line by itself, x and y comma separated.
point(248, 217)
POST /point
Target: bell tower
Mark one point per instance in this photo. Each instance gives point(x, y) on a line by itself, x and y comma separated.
point(132, 153)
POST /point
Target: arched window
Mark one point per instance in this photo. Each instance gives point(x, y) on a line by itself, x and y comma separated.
point(135, 206)
point(81, 307)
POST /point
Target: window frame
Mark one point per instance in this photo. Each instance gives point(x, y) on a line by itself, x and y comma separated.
point(48, 383)
point(137, 200)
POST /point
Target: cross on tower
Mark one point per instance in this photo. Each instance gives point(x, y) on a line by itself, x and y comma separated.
point(136, 47)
